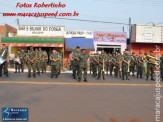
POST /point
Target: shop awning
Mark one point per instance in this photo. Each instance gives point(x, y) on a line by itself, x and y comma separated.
point(85, 43)
point(36, 42)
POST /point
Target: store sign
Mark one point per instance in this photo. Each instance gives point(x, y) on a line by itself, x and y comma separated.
point(1, 29)
point(80, 34)
point(46, 31)
point(148, 34)
point(110, 37)
point(161, 34)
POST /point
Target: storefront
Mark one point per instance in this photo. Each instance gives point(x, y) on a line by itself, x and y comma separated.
point(83, 39)
point(110, 41)
point(46, 37)
point(146, 38)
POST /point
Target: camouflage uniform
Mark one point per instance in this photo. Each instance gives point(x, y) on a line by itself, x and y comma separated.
point(38, 62)
point(4, 55)
point(107, 64)
point(31, 55)
point(22, 59)
point(83, 66)
point(150, 67)
point(76, 64)
point(117, 69)
point(125, 66)
point(139, 67)
point(102, 57)
point(44, 62)
point(132, 64)
point(161, 66)
point(54, 65)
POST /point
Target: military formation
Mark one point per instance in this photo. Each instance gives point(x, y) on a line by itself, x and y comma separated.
point(116, 64)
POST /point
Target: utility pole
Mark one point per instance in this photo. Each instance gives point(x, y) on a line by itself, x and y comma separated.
point(17, 22)
point(123, 29)
point(129, 27)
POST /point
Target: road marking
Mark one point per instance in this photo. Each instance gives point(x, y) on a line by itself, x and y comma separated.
point(82, 84)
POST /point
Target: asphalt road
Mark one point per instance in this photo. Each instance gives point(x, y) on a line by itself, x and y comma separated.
point(65, 100)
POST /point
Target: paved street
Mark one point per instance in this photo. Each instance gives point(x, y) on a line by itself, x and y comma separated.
point(65, 100)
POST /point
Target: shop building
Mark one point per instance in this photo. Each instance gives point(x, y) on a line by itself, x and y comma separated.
point(46, 37)
point(6, 30)
point(81, 38)
point(110, 41)
point(146, 38)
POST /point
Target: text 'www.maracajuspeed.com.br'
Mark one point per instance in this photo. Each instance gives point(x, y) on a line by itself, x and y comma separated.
point(38, 14)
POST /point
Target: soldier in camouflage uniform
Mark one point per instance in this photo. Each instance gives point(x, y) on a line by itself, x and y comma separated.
point(60, 63)
point(140, 64)
point(76, 62)
point(4, 55)
point(133, 63)
point(41, 63)
point(161, 66)
point(108, 63)
point(55, 60)
point(38, 61)
point(17, 61)
point(91, 66)
point(112, 63)
point(31, 61)
point(96, 63)
point(44, 61)
point(150, 67)
point(83, 65)
point(118, 65)
point(125, 65)
point(101, 66)
point(22, 59)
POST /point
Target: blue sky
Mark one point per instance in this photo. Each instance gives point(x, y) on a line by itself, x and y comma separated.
point(141, 12)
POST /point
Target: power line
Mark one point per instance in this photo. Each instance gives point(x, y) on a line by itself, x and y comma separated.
point(82, 20)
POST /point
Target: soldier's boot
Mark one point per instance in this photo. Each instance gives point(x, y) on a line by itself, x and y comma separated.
point(42, 72)
point(123, 77)
point(52, 75)
point(15, 71)
point(19, 71)
point(98, 77)
point(34, 75)
point(6, 74)
point(152, 78)
point(141, 76)
point(38, 73)
point(79, 79)
point(56, 76)
point(127, 78)
point(103, 77)
point(29, 75)
point(147, 78)
point(85, 80)
point(74, 77)
point(22, 71)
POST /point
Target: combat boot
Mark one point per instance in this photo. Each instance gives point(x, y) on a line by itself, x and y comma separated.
point(29, 75)
point(7, 74)
point(52, 76)
point(147, 78)
point(122, 77)
point(34, 75)
point(79, 79)
point(85, 80)
point(15, 71)
point(56, 76)
point(38, 73)
point(127, 78)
